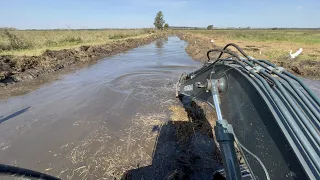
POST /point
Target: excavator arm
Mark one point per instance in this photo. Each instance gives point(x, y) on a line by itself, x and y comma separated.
point(267, 113)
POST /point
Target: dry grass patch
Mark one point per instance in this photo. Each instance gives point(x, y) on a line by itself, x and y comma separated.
point(263, 44)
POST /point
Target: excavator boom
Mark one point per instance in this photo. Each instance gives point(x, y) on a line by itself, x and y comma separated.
point(270, 114)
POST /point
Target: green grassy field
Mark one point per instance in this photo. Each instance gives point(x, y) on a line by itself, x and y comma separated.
point(34, 42)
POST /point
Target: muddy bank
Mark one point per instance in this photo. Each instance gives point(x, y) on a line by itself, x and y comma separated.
point(199, 45)
point(15, 69)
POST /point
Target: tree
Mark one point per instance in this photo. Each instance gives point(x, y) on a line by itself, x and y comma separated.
point(159, 21)
point(166, 26)
point(210, 27)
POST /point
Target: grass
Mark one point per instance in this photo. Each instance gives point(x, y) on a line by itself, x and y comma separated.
point(307, 37)
point(272, 45)
point(34, 42)
point(268, 44)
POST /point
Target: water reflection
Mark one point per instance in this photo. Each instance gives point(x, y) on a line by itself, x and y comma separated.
point(159, 49)
point(161, 42)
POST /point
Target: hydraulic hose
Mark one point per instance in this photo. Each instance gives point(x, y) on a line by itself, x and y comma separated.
point(314, 133)
point(293, 125)
point(267, 62)
point(300, 94)
point(301, 103)
point(310, 92)
point(311, 129)
point(238, 48)
point(302, 138)
point(308, 150)
point(222, 51)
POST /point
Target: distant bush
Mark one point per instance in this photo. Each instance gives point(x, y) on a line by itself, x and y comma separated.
point(149, 30)
point(15, 43)
point(166, 26)
point(210, 27)
point(3, 47)
point(7, 28)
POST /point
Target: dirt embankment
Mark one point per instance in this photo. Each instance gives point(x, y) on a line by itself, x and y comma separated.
point(15, 69)
point(199, 45)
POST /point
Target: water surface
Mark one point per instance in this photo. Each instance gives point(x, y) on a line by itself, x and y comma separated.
point(69, 125)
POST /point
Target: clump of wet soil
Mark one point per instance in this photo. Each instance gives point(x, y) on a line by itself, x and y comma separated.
point(199, 45)
point(15, 69)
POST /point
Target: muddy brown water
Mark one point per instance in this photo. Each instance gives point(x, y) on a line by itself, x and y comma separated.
point(76, 127)
point(101, 121)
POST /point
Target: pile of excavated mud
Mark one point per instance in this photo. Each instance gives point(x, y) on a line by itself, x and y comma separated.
point(19, 68)
point(199, 45)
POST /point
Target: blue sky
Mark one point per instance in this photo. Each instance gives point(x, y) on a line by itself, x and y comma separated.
point(43, 14)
